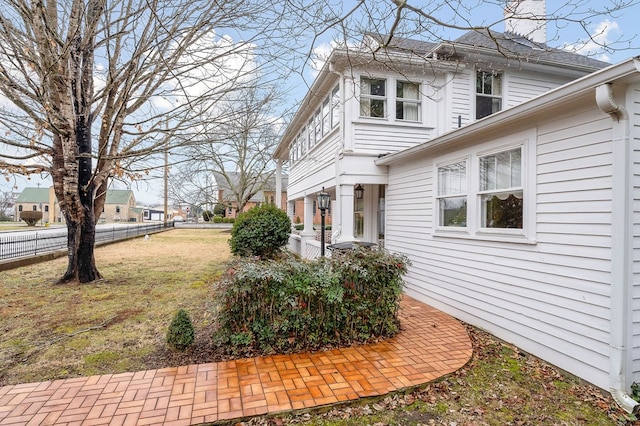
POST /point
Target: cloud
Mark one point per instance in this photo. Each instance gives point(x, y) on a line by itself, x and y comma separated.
point(601, 35)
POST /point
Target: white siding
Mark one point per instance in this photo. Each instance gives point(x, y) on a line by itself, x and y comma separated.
point(550, 298)
point(524, 86)
point(462, 96)
point(382, 137)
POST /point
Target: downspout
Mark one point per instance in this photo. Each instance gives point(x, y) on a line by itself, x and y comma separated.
point(621, 260)
point(335, 212)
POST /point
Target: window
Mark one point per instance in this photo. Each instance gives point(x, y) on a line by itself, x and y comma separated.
point(452, 195)
point(358, 218)
point(326, 124)
point(117, 209)
point(501, 194)
point(335, 107)
point(20, 208)
point(487, 191)
point(488, 93)
point(46, 208)
point(372, 97)
point(407, 101)
point(35, 208)
point(317, 120)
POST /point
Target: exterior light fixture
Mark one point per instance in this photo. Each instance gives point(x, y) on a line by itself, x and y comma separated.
point(359, 191)
point(323, 204)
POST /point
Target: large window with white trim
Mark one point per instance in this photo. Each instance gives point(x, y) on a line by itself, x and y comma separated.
point(501, 192)
point(452, 194)
point(485, 191)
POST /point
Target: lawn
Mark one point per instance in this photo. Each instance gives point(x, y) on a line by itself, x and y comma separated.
point(118, 324)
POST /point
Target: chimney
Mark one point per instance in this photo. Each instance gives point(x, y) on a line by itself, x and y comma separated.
point(526, 18)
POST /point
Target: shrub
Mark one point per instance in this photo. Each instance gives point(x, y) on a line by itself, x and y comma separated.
point(180, 334)
point(207, 215)
point(219, 209)
point(261, 231)
point(217, 219)
point(294, 304)
point(31, 217)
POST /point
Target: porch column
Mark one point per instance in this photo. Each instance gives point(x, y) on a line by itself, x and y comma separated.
point(290, 207)
point(278, 197)
point(307, 233)
point(345, 213)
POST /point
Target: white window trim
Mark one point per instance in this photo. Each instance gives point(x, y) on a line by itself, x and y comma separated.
point(455, 229)
point(386, 98)
point(474, 91)
point(527, 235)
point(417, 102)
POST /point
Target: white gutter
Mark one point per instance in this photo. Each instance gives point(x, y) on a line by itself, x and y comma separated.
point(621, 308)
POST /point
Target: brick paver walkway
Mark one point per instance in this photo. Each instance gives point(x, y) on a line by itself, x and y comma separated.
point(430, 345)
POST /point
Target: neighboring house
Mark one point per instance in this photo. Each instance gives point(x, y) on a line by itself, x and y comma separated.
point(37, 199)
point(524, 222)
point(261, 191)
point(120, 205)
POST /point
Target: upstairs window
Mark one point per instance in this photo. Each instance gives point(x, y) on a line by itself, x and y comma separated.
point(373, 97)
point(488, 93)
point(407, 101)
point(452, 195)
point(501, 192)
point(335, 107)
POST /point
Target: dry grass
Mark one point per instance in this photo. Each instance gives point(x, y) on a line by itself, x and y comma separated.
point(53, 331)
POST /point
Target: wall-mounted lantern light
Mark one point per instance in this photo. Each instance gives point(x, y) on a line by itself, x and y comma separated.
point(359, 191)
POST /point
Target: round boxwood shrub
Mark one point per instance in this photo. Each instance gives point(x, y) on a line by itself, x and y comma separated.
point(181, 333)
point(261, 231)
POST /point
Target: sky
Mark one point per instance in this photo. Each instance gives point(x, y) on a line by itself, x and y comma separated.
point(620, 28)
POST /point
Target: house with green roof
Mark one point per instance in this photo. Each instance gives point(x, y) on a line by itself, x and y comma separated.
point(120, 206)
point(36, 199)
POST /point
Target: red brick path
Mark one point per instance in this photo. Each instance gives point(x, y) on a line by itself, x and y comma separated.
point(430, 345)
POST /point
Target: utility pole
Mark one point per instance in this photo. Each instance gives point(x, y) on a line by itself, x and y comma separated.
point(166, 176)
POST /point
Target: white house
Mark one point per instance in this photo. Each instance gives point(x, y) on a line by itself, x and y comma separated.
point(508, 175)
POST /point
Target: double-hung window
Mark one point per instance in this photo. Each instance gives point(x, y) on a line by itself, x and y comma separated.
point(501, 192)
point(373, 98)
point(488, 93)
point(452, 195)
point(407, 101)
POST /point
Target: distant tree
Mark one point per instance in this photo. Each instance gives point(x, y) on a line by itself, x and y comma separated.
point(236, 154)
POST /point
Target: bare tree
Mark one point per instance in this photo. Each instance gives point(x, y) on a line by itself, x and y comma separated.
point(236, 153)
point(92, 89)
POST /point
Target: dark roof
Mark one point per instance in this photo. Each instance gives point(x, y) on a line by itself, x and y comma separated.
point(520, 46)
point(466, 48)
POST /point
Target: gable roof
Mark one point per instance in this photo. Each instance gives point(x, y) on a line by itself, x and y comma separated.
point(33, 195)
point(118, 196)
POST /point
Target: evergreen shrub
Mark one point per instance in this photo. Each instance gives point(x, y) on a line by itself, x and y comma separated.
point(261, 231)
point(293, 304)
point(180, 334)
